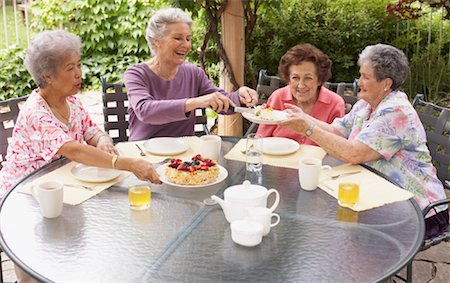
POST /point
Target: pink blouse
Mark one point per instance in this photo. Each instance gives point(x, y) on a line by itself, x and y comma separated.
point(38, 135)
point(328, 106)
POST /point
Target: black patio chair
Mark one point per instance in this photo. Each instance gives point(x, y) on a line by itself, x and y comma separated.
point(115, 112)
point(9, 109)
point(436, 121)
point(350, 97)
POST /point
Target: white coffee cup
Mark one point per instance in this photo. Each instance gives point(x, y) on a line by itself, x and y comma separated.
point(264, 216)
point(309, 172)
point(210, 146)
point(50, 198)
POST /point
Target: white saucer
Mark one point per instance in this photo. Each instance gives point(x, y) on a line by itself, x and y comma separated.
point(93, 174)
point(165, 146)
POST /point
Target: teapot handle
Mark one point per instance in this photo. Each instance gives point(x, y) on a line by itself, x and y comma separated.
point(277, 199)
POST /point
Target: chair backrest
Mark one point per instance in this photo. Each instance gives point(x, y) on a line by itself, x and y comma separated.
point(267, 84)
point(436, 121)
point(350, 96)
point(9, 110)
point(115, 112)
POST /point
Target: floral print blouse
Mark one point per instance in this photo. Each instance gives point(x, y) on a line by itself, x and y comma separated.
point(38, 135)
point(394, 130)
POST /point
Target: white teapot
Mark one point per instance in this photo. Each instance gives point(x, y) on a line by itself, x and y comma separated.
point(237, 198)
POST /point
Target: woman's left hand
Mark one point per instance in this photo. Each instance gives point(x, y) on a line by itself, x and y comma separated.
point(248, 96)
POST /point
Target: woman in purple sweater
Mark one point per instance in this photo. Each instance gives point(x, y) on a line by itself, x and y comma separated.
point(164, 92)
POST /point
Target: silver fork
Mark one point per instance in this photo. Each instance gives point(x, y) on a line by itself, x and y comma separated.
point(80, 186)
point(140, 149)
point(335, 176)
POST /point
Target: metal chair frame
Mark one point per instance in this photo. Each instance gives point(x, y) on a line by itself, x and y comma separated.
point(436, 121)
point(115, 112)
point(9, 110)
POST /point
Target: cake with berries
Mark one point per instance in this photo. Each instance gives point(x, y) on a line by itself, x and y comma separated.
point(198, 171)
point(264, 112)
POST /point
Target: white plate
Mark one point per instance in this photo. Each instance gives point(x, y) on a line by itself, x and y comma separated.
point(279, 146)
point(166, 146)
point(223, 173)
point(93, 174)
point(277, 117)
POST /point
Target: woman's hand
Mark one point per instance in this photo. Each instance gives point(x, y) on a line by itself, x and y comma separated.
point(143, 170)
point(248, 96)
point(216, 100)
point(297, 120)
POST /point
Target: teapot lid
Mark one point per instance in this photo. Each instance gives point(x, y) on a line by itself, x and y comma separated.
point(245, 192)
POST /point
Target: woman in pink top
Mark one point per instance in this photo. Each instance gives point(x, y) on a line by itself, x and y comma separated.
point(53, 123)
point(304, 68)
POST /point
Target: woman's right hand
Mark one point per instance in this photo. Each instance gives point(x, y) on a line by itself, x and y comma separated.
point(142, 169)
point(216, 101)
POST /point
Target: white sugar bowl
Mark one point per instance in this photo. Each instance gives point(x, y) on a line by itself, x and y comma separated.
point(246, 232)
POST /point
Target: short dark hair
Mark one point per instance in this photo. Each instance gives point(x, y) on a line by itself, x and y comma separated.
point(309, 53)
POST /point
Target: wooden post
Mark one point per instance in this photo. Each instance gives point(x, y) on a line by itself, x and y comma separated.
point(233, 39)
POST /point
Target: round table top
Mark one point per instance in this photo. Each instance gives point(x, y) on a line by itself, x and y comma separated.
point(181, 239)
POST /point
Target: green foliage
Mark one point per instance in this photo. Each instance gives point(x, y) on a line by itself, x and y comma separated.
point(340, 28)
point(14, 78)
point(429, 75)
point(112, 32)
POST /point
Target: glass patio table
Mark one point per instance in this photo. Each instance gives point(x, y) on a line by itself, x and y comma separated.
point(179, 239)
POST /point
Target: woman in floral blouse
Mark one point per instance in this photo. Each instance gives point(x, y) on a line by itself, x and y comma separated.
point(383, 131)
point(52, 123)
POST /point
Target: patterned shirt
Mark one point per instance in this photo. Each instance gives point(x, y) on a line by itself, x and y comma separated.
point(394, 130)
point(38, 135)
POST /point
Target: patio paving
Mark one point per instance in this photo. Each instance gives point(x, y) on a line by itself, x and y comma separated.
point(431, 265)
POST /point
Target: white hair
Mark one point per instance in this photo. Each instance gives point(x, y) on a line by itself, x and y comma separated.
point(46, 51)
point(158, 22)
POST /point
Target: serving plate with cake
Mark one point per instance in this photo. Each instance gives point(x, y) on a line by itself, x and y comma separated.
point(264, 114)
point(194, 173)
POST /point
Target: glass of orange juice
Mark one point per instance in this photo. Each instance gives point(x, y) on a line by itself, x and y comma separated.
point(348, 194)
point(139, 197)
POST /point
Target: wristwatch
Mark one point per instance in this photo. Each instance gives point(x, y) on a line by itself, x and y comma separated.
point(309, 131)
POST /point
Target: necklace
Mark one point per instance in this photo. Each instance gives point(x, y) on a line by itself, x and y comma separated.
point(65, 120)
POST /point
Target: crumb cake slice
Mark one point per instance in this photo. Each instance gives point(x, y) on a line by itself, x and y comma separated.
point(198, 171)
point(264, 112)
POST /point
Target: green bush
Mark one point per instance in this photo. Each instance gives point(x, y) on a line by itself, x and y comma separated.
point(14, 78)
point(340, 28)
point(113, 34)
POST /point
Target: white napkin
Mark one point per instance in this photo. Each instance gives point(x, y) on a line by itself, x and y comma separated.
point(374, 191)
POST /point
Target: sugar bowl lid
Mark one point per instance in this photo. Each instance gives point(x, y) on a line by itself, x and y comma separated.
point(245, 192)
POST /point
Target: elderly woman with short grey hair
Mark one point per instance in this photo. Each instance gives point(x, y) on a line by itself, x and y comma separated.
point(164, 91)
point(53, 123)
point(382, 131)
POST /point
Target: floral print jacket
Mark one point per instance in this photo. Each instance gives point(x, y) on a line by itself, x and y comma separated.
point(38, 135)
point(394, 130)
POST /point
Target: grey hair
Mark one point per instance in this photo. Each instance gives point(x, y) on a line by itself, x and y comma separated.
point(158, 22)
point(46, 50)
point(387, 62)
